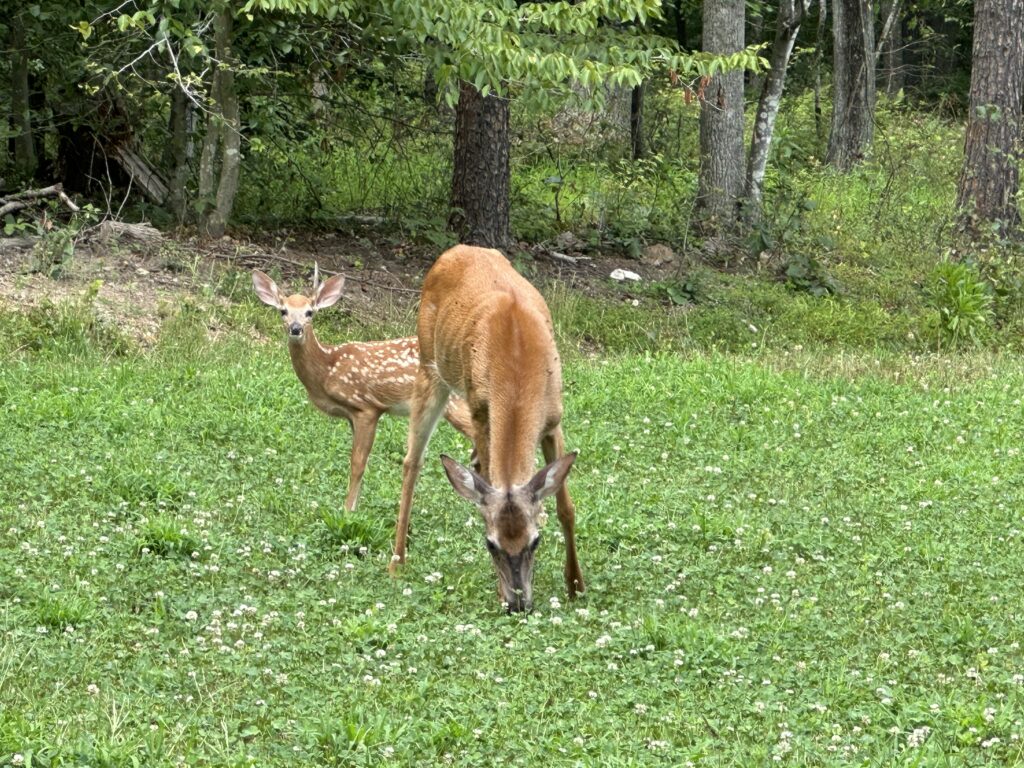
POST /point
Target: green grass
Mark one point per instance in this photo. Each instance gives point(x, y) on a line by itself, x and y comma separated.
point(789, 554)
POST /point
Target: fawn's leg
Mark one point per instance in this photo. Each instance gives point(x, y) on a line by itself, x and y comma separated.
point(364, 429)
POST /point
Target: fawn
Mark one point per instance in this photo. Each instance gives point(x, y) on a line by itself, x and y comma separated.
point(356, 381)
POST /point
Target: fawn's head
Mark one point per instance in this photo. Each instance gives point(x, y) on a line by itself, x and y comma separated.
point(511, 522)
point(297, 310)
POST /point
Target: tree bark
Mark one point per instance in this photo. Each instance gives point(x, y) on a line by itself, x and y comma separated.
point(25, 160)
point(791, 14)
point(853, 91)
point(480, 181)
point(636, 121)
point(992, 150)
point(229, 129)
point(720, 183)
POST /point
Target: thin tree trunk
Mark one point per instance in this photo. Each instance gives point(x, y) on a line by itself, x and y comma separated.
point(889, 50)
point(208, 164)
point(720, 183)
point(25, 160)
point(231, 130)
point(480, 181)
point(990, 180)
point(853, 89)
point(819, 49)
point(791, 14)
point(177, 158)
point(636, 121)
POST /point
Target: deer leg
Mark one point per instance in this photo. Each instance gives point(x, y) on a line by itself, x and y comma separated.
point(553, 446)
point(430, 395)
point(457, 414)
point(364, 429)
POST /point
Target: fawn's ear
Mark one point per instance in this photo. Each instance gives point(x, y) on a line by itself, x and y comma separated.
point(266, 289)
point(551, 479)
point(329, 293)
point(467, 483)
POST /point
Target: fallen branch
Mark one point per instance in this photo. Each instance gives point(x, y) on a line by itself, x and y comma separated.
point(19, 200)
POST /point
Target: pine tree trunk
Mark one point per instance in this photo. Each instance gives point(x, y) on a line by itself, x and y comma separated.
point(720, 182)
point(636, 121)
point(853, 90)
point(992, 151)
point(791, 14)
point(480, 182)
point(25, 160)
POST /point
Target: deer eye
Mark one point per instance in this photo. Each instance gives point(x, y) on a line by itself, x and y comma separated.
point(309, 313)
point(284, 312)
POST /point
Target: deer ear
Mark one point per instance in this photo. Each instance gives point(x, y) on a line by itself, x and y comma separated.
point(467, 483)
point(266, 289)
point(329, 292)
point(551, 479)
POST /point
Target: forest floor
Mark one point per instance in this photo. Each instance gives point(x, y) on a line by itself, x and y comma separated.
point(141, 283)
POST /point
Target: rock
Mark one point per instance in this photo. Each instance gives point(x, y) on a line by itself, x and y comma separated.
point(624, 274)
point(657, 254)
point(567, 241)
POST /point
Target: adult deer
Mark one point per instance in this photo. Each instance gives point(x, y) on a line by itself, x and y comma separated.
point(357, 381)
point(486, 334)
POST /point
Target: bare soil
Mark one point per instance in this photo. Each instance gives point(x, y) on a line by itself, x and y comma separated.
point(141, 284)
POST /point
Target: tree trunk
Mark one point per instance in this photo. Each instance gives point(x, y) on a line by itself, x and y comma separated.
point(480, 182)
point(208, 161)
point(25, 160)
point(891, 47)
point(720, 182)
point(992, 151)
point(636, 121)
point(791, 14)
point(229, 129)
point(853, 91)
point(819, 49)
point(180, 125)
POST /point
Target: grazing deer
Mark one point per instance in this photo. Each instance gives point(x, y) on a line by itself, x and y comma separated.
point(357, 381)
point(486, 333)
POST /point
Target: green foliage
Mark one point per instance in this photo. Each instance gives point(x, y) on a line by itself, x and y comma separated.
point(806, 273)
point(166, 536)
point(963, 300)
point(60, 328)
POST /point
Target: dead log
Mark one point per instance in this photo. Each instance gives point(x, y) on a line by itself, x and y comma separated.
point(20, 200)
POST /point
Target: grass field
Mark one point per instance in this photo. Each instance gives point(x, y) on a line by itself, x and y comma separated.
point(791, 558)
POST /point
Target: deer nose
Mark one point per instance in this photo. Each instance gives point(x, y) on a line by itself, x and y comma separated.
point(295, 329)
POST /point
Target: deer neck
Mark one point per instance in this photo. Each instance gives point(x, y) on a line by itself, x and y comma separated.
point(311, 361)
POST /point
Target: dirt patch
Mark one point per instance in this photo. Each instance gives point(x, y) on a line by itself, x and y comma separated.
point(141, 285)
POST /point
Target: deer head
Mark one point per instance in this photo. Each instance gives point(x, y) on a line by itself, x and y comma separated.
point(511, 522)
point(297, 310)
